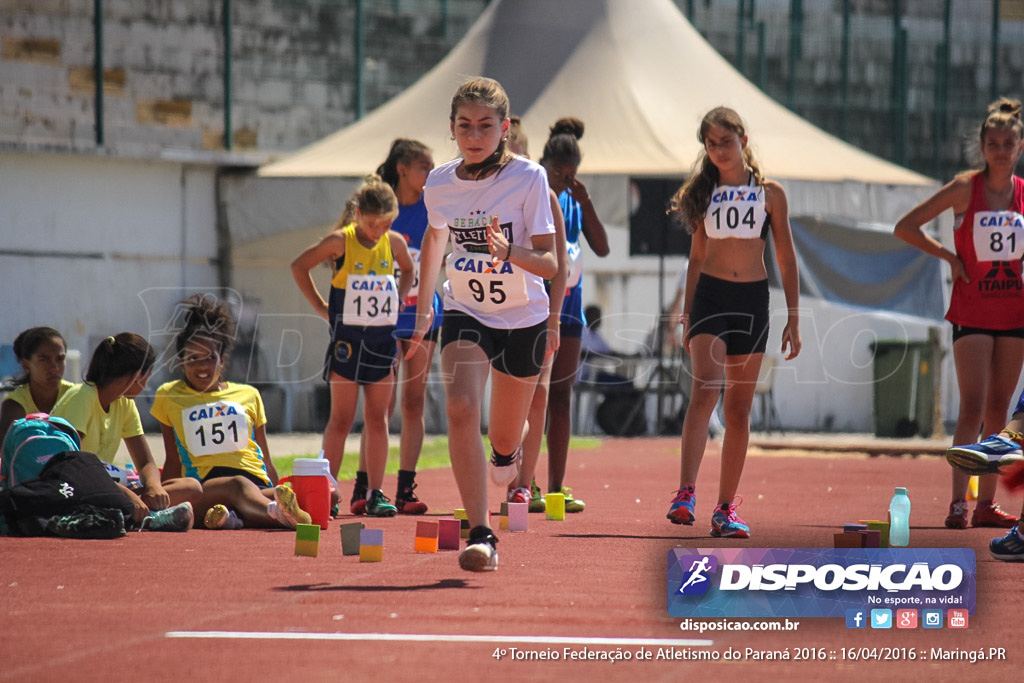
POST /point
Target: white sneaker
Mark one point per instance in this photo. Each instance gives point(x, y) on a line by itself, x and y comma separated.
point(480, 555)
point(504, 473)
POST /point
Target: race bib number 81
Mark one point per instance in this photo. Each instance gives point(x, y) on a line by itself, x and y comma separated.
point(485, 286)
point(998, 235)
point(215, 428)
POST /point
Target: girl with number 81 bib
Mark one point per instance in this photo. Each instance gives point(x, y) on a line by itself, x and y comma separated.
point(363, 311)
point(986, 307)
point(496, 209)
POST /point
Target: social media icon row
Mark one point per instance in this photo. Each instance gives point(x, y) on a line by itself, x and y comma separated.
point(905, 618)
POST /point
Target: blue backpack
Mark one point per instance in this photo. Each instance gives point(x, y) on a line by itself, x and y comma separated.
point(30, 443)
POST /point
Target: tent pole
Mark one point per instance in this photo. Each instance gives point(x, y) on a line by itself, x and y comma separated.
point(994, 59)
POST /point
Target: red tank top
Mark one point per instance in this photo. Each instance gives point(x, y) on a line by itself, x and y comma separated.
point(991, 244)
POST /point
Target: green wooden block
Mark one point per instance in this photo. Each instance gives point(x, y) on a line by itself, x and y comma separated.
point(307, 532)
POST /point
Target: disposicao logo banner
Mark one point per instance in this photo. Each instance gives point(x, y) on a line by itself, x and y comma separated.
point(817, 582)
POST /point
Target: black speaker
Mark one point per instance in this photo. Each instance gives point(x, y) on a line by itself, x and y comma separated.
point(652, 231)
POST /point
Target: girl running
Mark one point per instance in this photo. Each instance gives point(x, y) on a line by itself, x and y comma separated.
point(495, 209)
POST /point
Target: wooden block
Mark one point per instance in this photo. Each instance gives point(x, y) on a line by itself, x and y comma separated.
point(426, 529)
point(350, 538)
point(518, 516)
point(307, 548)
point(425, 545)
point(871, 537)
point(849, 539)
point(371, 537)
point(307, 539)
point(463, 528)
point(854, 527)
point(371, 553)
point(883, 532)
point(555, 506)
point(448, 534)
point(459, 514)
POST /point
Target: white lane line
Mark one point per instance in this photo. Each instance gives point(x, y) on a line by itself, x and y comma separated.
point(438, 638)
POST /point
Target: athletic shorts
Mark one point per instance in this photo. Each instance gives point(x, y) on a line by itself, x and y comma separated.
point(432, 335)
point(519, 352)
point(364, 362)
point(222, 472)
point(961, 331)
point(571, 330)
point(736, 312)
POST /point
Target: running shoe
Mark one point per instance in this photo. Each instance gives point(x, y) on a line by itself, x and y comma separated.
point(1009, 548)
point(357, 506)
point(88, 521)
point(726, 523)
point(992, 515)
point(220, 517)
point(681, 511)
point(572, 504)
point(957, 517)
point(986, 457)
point(379, 505)
point(480, 553)
point(407, 502)
point(505, 468)
point(285, 509)
point(537, 503)
point(520, 494)
point(175, 518)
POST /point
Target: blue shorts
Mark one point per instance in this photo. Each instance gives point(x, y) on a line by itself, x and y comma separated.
point(364, 362)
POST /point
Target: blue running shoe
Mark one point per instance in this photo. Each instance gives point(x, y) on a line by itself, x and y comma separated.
point(725, 522)
point(1009, 548)
point(986, 457)
point(681, 511)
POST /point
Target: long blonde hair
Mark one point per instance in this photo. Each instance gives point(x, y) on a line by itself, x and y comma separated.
point(694, 197)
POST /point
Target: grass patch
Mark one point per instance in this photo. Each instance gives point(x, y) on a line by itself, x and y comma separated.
point(433, 456)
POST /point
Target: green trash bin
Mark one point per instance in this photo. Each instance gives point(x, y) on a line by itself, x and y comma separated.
point(904, 374)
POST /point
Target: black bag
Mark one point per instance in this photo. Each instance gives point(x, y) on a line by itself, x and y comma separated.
point(71, 483)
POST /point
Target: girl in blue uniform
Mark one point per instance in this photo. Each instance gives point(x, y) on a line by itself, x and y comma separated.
point(363, 311)
point(729, 208)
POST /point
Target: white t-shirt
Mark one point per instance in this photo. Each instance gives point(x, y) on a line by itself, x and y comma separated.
point(502, 296)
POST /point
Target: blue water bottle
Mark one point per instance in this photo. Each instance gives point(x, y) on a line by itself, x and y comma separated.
point(899, 518)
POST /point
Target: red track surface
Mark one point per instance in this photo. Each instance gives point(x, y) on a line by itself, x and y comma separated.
point(101, 610)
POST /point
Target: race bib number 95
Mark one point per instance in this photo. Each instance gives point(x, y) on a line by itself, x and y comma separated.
point(998, 235)
point(476, 281)
point(215, 428)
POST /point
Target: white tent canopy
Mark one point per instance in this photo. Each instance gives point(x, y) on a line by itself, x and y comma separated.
point(637, 73)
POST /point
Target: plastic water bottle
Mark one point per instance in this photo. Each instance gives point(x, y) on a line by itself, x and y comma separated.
point(133, 481)
point(899, 518)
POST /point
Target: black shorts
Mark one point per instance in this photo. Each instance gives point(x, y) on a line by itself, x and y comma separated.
point(364, 362)
point(736, 312)
point(519, 352)
point(961, 331)
point(221, 472)
point(431, 336)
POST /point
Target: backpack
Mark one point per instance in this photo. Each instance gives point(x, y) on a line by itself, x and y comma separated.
point(30, 442)
point(71, 483)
